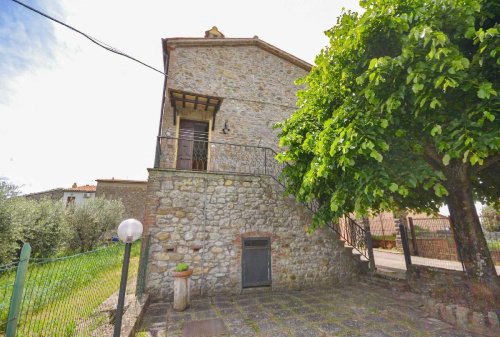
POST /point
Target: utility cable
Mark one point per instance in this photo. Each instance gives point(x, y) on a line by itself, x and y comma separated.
point(94, 40)
point(119, 52)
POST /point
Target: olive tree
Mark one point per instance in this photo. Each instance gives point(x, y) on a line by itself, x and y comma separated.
point(8, 231)
point(89, 222)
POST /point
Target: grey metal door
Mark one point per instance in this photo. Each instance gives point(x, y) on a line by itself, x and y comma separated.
point(256, 262)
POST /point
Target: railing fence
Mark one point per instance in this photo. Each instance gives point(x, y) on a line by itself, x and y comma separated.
point(431, 242)
point(68, 296)
point(198, 154)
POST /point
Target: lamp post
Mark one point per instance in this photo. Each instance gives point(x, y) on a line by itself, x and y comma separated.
point(129, 230)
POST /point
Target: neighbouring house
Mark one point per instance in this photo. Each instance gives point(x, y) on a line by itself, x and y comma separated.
point(213, 199)
point(132, 193)
point(75, 195)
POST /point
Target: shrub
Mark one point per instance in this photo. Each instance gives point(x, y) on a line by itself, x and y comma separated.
point(491, 218)
point(89, 222)
point(181, 267)
point(391, 237)
point(8, 232)
point(41, 223)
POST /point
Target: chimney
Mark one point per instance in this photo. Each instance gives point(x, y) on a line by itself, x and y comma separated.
point(214, 33)
point(74, 185)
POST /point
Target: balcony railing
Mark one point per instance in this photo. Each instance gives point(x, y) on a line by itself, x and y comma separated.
point(198, 154)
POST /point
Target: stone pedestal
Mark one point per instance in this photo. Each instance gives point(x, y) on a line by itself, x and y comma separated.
point(181, 289)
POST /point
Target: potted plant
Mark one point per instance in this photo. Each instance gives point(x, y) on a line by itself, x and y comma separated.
point(181, 286)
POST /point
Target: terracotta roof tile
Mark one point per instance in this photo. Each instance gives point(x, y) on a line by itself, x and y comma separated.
point(85, 188)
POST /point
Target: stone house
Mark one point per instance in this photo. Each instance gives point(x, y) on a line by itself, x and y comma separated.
point(131, 193)
point(213, 200)
point(73, 195)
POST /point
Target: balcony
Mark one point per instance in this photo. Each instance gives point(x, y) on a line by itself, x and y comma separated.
point(196, 153)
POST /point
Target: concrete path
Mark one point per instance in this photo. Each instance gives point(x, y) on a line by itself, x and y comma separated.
point(394, 260)
point(358, 309)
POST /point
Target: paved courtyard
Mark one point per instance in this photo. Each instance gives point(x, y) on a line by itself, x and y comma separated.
point(359, 309)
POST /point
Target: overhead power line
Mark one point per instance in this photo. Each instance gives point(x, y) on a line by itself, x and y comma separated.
point(119, 52)
point(93, 39)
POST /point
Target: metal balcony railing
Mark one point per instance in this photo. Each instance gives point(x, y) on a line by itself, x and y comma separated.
point(198, 154)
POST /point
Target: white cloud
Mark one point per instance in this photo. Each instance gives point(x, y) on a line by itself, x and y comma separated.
point(82, 113)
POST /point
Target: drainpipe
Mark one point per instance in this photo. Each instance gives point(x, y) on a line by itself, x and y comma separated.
point(202, 260)
point(158, 148)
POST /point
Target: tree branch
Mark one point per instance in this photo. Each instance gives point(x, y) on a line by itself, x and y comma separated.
point(432, 157)
point(488, 162)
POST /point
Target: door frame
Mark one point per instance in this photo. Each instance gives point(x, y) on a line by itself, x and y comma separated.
point(270, 262)
point(177, 132)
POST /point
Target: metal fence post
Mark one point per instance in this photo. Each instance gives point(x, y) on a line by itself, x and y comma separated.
point(369, 244)
point(17, 294)
point(413, 236)
point(404, 242)
point(143, 267)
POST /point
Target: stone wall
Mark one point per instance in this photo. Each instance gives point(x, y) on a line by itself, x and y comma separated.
point(201, 218)
point(245, 76)
point(55, 194)
point(451, 296)
point(132, 193)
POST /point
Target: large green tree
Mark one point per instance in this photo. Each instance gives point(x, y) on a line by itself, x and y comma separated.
point(401, 112)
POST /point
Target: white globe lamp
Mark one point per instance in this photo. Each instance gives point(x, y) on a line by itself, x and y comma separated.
point(130, 230)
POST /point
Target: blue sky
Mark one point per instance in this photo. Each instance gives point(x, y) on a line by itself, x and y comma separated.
point(26, 41)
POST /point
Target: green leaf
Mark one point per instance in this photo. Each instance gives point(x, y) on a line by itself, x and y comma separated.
point(393, 187)
point(384, 123)
point(434, 102)
point(446, 159)
point(466, 154)
point(486, 90)
point(476, 159)
point(400, 133)
point(436, 130)
point(489, 116)
point(377, 156)
point(471, 31)
point(417, 87)
point(440, 190)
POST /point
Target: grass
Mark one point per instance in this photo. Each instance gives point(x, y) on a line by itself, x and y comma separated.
point(384, 237)
point(493, 245)
point(61, 295)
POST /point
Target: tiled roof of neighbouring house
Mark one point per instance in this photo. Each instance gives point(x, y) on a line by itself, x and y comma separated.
point(85, 188)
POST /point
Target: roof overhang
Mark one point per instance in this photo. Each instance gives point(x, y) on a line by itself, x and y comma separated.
point(170, 43)
point(180, 99)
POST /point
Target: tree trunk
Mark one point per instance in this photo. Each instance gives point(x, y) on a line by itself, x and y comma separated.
point(471, 244)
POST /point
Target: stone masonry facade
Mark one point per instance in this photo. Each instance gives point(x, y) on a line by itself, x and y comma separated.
point(201, 218)
point(245, 77)
point(132, 194)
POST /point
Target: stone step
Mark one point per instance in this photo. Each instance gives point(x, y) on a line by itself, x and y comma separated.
point(256, 290)
point(382, 278)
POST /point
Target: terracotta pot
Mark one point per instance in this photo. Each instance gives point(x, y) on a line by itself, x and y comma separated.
point(182, 273)
point(182, 289)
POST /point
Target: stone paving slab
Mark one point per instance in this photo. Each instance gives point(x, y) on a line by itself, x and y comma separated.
point(359, 309)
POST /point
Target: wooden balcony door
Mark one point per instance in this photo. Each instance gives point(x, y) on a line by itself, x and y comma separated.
point(192, 147)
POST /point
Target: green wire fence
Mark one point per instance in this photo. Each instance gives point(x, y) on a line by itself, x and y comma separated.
point(69, 296)
point(7, 277)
